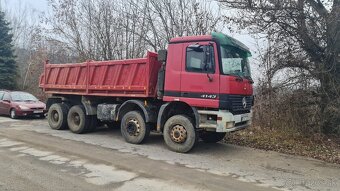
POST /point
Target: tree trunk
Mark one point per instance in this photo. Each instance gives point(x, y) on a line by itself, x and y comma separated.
point(330, 93)
point(330, 75)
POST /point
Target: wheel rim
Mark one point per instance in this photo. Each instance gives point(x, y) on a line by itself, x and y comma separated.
point(133, 127)
point(55, 116)
point(76, 119)
point(178, 134)
point(12, 113)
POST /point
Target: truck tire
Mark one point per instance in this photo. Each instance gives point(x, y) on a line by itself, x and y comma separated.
point(57, 116)
point(179, 133)
point(211, 137)
point(77, 120)
point(133, 128)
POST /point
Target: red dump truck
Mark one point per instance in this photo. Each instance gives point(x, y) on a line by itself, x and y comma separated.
point(200, 87)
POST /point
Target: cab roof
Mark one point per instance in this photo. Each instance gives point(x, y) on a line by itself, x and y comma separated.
point(223, 39)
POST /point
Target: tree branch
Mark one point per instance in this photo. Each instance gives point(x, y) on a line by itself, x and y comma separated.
point(318, 7)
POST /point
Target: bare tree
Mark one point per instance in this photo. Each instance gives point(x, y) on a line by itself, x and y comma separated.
point(305, 36)
point(108, 29)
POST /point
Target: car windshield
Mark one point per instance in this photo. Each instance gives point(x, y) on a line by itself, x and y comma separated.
point(234, 61)
point(22, 96)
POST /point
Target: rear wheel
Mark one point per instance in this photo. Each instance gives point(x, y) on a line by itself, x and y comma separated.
point(57, 116)
point(13, 115)
point(179, 133)
point(133, 127)
point(77, 119)
point(211, 137)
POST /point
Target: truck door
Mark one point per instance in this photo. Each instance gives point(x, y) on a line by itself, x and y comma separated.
point(200, 75)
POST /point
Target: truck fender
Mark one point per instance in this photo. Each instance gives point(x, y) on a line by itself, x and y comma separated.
point(161, 119)
point(150, 115)
point(90, 107)
point(52, 100)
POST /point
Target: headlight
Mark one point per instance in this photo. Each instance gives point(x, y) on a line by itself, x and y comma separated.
point(23, 107)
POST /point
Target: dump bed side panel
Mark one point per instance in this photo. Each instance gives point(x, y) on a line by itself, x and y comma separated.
point(118, 78)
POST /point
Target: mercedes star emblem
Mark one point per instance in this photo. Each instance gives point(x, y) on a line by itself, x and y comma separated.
point(244, 102)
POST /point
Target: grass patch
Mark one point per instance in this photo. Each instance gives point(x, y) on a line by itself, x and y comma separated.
point(318, 146)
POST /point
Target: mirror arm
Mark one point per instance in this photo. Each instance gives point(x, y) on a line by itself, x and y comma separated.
point(209, 77)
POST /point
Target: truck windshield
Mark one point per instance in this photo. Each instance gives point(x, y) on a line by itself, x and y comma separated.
point(234, 62)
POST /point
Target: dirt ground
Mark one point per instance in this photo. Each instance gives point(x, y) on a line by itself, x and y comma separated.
point(34, 157)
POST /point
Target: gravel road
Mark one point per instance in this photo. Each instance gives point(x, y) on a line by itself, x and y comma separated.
point(34, 157)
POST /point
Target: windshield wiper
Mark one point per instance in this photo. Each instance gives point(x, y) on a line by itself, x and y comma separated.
point(251, 81)
point(238, 77)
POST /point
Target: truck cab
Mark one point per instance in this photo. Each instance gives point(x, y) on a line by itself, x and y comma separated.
point(211, 73)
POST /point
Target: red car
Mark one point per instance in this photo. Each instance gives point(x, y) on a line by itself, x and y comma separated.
point(16, 103)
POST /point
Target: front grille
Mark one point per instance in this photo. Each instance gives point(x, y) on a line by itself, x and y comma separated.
point(237, 102)
point(36, 108)
point(234, 103)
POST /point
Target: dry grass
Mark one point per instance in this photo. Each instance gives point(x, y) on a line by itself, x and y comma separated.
point(318, 146)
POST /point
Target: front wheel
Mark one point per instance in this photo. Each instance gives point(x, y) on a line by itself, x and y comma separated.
point(179, 133)
point(211, 137)
point(133, 128)
point(13, 115)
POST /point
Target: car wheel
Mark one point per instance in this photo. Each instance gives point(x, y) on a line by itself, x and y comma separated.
point(179, 133)
point(13, 114)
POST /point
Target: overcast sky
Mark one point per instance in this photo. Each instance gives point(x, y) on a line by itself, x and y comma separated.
point(40, 5)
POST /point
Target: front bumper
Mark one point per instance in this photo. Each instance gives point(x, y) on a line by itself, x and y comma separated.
point(223, 120)
point(30, 112)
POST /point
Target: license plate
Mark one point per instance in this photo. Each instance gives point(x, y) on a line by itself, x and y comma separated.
point(38, 111)
point(245, 118)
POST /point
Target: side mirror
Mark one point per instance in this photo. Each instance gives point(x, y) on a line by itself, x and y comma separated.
point(6, 100)
point(162, 54)
point(208, 65)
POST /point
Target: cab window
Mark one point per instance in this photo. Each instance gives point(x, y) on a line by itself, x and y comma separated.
point(200, 59)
